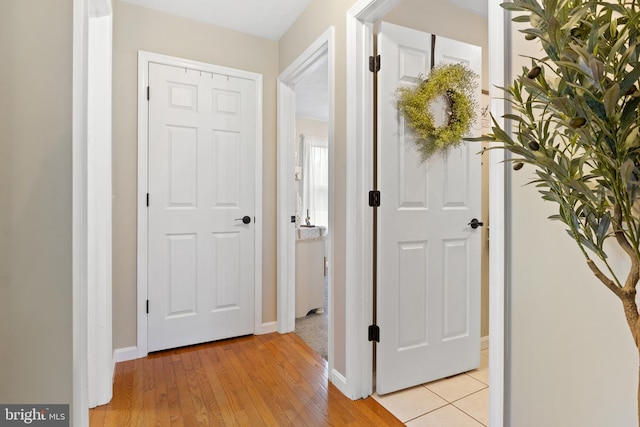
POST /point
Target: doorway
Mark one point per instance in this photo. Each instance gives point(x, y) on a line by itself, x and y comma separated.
point(305, 189)
point(311, 179)
point(359, 361)
point(428, 263)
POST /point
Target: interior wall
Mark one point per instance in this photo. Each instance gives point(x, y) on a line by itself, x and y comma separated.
point(137, 28)
point(437, 17)
point(572, 358)
point(312, 23)
point(36, 202)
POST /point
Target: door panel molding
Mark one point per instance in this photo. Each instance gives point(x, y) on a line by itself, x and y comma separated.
point(144, 59)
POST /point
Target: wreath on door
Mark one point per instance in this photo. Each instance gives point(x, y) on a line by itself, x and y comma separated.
point(456, 83)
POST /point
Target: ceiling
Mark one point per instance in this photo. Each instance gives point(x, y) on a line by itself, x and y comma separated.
point(268, 19)
point(263, 18)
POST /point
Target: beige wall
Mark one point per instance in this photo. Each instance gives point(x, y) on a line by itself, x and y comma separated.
point(35, 202)
point(437, 17)
point(137, 28)
point(573, 361)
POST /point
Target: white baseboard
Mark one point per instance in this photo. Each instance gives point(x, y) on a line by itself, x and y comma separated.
point(340, 382)
point(267, 328)
point(125, 354)
point(484, 342)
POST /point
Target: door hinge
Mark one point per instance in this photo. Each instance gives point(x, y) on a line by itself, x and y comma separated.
point(147, 306)
point(148, 93)
point(374, 198)
point(374, 63)
point(374, 333)
point(147, 199)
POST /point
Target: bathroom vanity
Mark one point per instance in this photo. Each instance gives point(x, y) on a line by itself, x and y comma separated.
point(310, 269)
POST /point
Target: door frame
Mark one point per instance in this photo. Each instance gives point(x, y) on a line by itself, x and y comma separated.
point(361, 18)
point(320, 51)
point(99, 194)
point(144, 58)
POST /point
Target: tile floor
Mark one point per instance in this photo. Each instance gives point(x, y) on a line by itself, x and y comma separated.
point(461, 401)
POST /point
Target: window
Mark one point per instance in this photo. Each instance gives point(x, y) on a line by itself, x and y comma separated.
point(315, 180)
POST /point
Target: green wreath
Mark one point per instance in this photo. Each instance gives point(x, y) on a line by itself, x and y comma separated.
point(456, 83)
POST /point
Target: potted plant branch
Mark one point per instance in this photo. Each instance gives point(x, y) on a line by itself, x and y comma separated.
point(575, 120)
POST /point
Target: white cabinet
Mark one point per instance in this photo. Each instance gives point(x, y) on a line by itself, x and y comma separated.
point(310, 269)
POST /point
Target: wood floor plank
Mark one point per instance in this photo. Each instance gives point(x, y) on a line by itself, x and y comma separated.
point(267, 380)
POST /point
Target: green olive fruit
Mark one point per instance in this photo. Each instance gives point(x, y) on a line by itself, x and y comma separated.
point(577, 122)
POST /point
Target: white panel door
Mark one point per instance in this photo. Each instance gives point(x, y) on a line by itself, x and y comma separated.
point(202, 136)
point(428, 266)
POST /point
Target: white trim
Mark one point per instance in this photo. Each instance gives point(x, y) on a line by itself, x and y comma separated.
point(80, 406)
point(359, 218)
point(267, 328)
point(339, 381)
point(286, 208)
point(125, 354)
point(484, 342)
point(320, 51)
point(99, 194)
point(359, 352)
point(499, 216)
point(144, 58)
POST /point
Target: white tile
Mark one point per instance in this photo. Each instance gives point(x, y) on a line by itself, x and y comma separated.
point(476, 405)
point(411, 403)
point(447, 416)
point(482, 373)
point(454, 388)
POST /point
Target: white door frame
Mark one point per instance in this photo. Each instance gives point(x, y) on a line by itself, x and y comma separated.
point(99, 196)
point(320, 51)
point(144, 58)
point(359, 352)
point(92, 357)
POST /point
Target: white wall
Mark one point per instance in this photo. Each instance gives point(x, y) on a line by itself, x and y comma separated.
point(573, 361)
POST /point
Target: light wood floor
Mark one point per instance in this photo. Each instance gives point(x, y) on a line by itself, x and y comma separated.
point(272, 380)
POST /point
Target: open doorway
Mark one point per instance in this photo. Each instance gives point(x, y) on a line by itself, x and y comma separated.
point(361, 19)
point(311, 177)
point(305, 188)
point(432, 262)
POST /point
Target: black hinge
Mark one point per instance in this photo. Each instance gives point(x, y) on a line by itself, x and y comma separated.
point(148, 93)
point(374, 333)
point(374, 63)
point(147, 306)
point(147, 199)
point(374, 198)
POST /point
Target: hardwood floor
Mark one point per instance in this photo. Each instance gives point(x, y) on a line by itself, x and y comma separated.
point(270, 380)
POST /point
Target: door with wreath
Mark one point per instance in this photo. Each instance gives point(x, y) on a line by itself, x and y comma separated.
point(428, 256)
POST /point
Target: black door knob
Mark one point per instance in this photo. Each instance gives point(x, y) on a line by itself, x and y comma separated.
point(475, 223)
point(245, 219)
